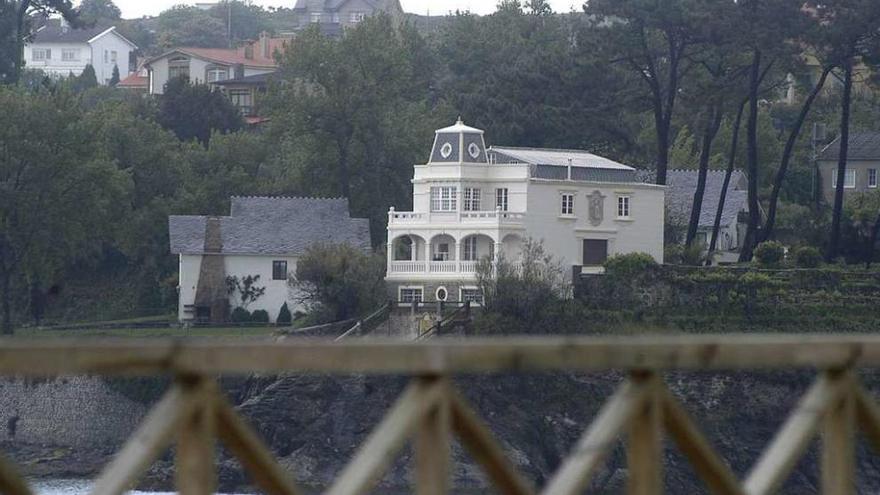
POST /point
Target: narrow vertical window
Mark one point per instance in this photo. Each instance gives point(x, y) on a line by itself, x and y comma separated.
point(623, 203)
point(470, 249)
point(872, 177)
point(472, 199)
point(501, 198)
point(279, 270)
point(568, 204)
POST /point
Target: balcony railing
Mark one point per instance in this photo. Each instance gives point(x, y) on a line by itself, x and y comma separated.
point(450, 267)
point(491, 217)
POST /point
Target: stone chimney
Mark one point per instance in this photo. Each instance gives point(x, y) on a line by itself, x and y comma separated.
point(265, 45)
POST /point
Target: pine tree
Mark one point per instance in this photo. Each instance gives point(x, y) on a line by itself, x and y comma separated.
point(114, 79)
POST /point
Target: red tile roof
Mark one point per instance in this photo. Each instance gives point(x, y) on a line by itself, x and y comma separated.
point(135, 80)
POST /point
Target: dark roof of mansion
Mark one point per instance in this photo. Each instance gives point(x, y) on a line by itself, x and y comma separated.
point(53, 32)
point(862, 146)
point(332, 5)
point(273, 226)
point(682, 184)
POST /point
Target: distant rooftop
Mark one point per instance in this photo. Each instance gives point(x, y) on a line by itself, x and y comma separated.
point(273, 226)
point(862, 146)
point(682, 184)
point(56, 31)
point(559, 158)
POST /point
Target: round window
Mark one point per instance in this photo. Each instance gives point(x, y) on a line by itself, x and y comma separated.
point(446, 150)
point(474, 150)
point(442, 294)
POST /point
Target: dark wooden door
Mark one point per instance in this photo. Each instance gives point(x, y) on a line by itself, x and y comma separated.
point(595, 251)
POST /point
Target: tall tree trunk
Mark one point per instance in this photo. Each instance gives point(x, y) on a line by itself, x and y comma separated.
point(869, 256)
point(6, 296)
point(709, 134)
point(731, 163)
point(20, 21)
point(752, 135)
point(767, 231)
point(662, 149)
point(834, 244)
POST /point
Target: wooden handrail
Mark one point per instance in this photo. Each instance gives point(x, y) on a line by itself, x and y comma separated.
point(438, 356)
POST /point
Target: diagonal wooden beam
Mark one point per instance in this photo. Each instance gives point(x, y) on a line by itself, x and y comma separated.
point(794, 437)
point(387, 439)
point(868, 415)
point(574, 475)
point(256, 458)
point(690, 441)
point(152, 437)
point(479, 441)
point(644, 449)
point(11, 483)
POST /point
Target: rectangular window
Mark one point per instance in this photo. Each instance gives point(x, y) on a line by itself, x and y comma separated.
point(623, 206)
point(473, 295)
point(849, 181)
point(316, 17)
point(470, 249)
point(279, 270)
point(113, 56)
point(357, 17)
point(411, 294)
point(501, 198)
point(41, 54)
point(444, 199)
point(472, 199)
point(217, 74)
point(568, 204)
point(872, 177)
point(70, 54)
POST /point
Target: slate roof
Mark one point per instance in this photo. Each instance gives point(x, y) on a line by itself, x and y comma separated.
point(274, 226)
point(862, 146)
point(682, 184)
point(558, 157)
point(554, 172)
point(53, 32)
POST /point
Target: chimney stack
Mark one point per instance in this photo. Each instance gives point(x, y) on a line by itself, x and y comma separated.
point(264, 45)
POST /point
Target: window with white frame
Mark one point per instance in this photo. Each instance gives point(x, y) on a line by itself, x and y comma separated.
point(40, 54)
point(872, 177)
point(106, 56)
point(444, 199)
point(316, 17)
point(568, 204)
point(471, 294)
point(216, 73)
point(178, 67)
point(501, 198)
point(623, 204)
point(472, 199)
point(114, 56)
point(469, 250)
point(849, 180)
point(357, 17)
point(411, 294)
point(70, 54)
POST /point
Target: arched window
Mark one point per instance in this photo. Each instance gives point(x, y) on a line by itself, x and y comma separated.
point(404, 249)
point(178, 67)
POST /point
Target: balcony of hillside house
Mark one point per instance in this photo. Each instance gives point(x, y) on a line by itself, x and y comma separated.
point(444, 255)
point(489, 218)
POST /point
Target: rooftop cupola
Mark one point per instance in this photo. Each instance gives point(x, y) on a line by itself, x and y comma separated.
point(458, 144)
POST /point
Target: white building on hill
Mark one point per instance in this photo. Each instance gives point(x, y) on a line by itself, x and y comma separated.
point(59, 50)
point(262, 236)
point(471, 202)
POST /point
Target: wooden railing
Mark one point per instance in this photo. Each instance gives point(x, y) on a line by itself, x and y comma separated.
point(194, 413)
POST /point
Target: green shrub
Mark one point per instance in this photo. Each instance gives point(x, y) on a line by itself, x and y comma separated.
point(240, 315)
point(808, 257)
point(260, 316)
point(284, 316)
point(672, 254)
point(631, 264)
point(694, 255)
point(769, 254)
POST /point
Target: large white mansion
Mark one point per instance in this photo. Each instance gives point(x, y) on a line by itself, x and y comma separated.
point(470, 202)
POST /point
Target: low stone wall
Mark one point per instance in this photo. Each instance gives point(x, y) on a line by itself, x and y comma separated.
point(76, 412)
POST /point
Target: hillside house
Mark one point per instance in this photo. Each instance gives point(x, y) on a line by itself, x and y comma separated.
point(863, 162)
point(213, 65)
point(332, 16)
point(262, 236)
point(59, 50)
point(471, 202)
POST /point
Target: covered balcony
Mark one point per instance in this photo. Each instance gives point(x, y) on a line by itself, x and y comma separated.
point(444, 255)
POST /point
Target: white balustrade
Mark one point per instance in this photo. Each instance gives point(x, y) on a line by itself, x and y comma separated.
point(408, 267)
point(443, 267)
point(469, 266)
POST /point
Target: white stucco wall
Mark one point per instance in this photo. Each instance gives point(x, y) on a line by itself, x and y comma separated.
point(563, 236)
point(277, 291)
point(88, 54)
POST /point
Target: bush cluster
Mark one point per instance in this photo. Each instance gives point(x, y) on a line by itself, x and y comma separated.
point(769, 254)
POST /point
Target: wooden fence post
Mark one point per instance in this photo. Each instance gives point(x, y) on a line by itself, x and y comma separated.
point(432, 449)
point(838, 446)
point(645, 442)
point(195, 456)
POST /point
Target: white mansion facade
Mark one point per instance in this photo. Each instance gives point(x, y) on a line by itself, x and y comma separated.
point(470, 202)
